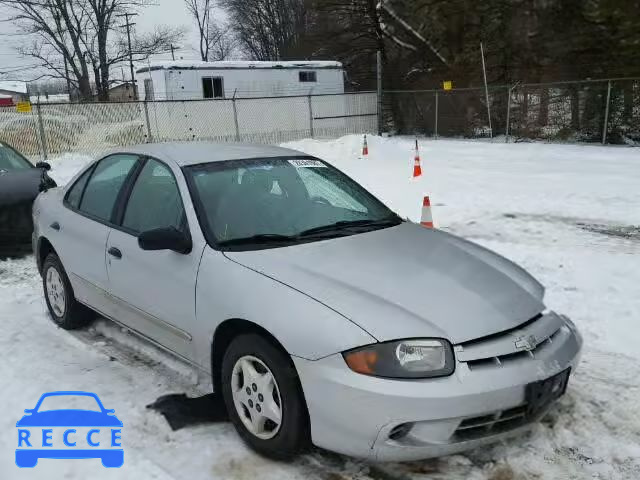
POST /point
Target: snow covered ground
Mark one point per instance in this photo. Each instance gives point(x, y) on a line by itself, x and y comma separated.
point(569, 214)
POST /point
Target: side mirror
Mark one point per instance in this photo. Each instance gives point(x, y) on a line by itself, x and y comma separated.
point(168, 238)
point(44, 166)
point(28, 410)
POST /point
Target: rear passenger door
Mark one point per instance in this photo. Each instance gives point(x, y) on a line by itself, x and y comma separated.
point(79, 232)
point(154, 291)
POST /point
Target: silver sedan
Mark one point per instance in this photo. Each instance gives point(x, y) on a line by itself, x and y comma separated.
point(321, 315)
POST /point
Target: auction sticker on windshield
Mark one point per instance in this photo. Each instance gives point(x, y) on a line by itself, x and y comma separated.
point(307, 163)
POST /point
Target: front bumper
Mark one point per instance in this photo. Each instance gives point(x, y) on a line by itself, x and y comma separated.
point(365, 417)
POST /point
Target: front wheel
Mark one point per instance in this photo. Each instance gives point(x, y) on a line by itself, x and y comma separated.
point(263, 397)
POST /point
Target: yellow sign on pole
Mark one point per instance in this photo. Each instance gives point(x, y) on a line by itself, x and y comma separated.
point(447, 85)
point(23, 107)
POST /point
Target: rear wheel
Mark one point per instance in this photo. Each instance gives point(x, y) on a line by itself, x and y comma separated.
point(263, 397)
point(65, 311)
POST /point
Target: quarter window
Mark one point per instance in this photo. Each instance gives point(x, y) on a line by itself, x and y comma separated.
point(155, 200)
point(104, 186)
point(75, 193)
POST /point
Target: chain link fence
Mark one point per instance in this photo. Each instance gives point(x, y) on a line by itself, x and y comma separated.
point(50, 129)
point(606, 111)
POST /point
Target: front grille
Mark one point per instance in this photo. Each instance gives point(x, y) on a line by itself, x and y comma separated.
point(506, 359)
point(491, 424)
point(523, 343)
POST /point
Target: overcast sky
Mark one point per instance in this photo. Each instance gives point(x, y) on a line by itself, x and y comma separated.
point(170, 12)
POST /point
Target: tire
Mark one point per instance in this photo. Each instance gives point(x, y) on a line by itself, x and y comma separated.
point(291, 436)
point(65, 311)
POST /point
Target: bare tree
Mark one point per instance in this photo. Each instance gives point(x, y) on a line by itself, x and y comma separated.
point(77, 39)
point(268, 29)
point(216, 41)
point(222, 42)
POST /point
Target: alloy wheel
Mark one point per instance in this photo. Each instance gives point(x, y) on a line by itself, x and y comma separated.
point(256, 397)
point(55, 292)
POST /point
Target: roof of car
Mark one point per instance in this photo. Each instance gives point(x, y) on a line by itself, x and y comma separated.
point(193, 153)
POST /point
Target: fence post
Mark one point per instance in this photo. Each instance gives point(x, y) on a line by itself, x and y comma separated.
point(43, 138)
point(310, 114)
point(379, 90)
point(486, 90)
point(146, 118)
point(506, 134)
point(235, 117)
point(606, 114)
point(436, 122)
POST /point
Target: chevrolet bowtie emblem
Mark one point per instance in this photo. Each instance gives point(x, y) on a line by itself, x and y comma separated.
point(526, 343)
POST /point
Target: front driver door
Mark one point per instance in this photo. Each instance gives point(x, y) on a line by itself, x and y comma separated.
point(154, 291)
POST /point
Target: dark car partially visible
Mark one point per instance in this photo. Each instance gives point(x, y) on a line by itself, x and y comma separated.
point(20, 184)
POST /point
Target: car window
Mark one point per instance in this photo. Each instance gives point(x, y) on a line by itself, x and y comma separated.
point(75, 193)
point(325, 187)
point(69, 402)
point(273, 196)
point(155, 200)
point(12, 160)
point(105, 184)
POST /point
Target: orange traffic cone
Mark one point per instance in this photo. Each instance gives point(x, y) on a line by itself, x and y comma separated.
point(365, 148)
point(426, 220)
point(417, 170)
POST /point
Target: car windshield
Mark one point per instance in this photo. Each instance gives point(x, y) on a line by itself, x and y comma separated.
point(12, 160)
point(265, 203)
point(69, 402)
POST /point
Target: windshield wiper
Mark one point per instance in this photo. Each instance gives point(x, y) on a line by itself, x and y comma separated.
point(341, 227)
point(348, 224)
point(261, 238)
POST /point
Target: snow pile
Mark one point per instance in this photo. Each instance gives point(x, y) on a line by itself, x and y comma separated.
point(569, 214)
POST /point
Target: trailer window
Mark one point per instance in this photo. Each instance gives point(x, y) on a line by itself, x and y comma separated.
point(212, 87)
point(307, 76)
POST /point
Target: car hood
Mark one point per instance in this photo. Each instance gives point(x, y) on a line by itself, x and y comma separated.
point(407, 281)
point(17, 186)
point(69, 418)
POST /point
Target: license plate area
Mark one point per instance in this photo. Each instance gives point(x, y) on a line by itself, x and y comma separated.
point(539, 395)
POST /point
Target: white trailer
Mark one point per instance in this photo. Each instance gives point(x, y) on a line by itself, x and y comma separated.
point(186, 80)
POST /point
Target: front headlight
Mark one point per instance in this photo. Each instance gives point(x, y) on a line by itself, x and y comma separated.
point(414, 358)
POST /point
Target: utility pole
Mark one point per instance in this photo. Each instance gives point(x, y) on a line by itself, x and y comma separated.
point(173, 52)
point(486, 89)
point(128, 26)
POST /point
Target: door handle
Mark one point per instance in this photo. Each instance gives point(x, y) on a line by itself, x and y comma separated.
point(114, 252)
point(55, 226)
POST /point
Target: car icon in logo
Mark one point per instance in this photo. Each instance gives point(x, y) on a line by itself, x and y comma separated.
point(69, 433)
